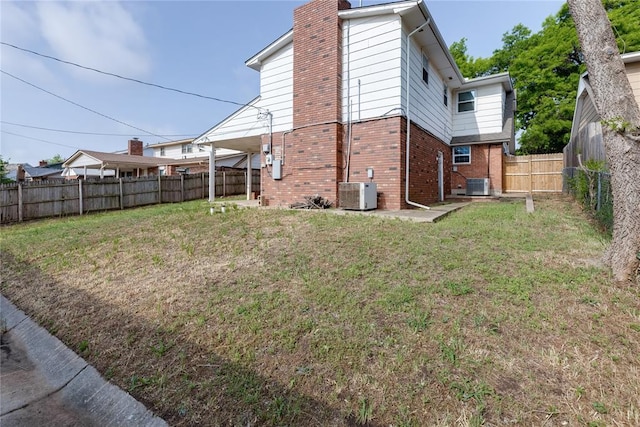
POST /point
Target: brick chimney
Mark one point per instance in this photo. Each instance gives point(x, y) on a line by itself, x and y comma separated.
point(317, 62)
point(20, 173)
point(42, 163)
point(135, 147)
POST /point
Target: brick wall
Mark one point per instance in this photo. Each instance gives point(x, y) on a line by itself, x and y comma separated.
point(486, 161)
point(423, 179)
point(377, 144)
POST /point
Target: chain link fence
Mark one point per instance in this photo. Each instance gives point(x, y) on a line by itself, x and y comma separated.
point(593, 190)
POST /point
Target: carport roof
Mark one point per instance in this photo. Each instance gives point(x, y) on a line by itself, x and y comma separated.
point(98, 160)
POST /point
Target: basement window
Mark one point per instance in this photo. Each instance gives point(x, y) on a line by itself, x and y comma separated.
point(462, 155)
point(425, 69)
point(466, 101)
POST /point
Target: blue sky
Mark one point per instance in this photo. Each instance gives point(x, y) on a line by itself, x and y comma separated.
point(195, 46)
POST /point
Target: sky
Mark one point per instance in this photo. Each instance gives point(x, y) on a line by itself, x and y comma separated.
point(194, 46)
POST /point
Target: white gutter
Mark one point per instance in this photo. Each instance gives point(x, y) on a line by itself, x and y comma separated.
point(408, 82)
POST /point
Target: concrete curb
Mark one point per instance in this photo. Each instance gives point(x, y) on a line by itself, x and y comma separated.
point(45, 383)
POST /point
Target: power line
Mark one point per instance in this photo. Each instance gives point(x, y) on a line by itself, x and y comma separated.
point(85, 133)
point(127, 78)
point(82, 106)
point(38, 139)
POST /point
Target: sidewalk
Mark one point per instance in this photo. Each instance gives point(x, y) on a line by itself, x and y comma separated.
point(43, 382)
point(434, 214)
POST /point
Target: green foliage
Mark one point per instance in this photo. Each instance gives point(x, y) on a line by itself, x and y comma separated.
point(55, 159)
point(3, 171)
point(592, 188)
point(546, 67)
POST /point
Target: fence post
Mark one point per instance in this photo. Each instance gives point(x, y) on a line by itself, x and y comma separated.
point(599, 192)
point(224, 183)
point(80, 207)
point(202, 182)
point(181, 187)
point(20, 202)
point(159, 188)
point(121, 195)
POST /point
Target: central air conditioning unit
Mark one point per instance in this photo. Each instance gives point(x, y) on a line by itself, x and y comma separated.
point(478, 186)
point(359, 196)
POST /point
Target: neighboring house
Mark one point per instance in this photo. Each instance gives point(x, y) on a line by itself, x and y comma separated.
point(85, 164)
point(586, 131)
point(25, 172)
point(336, 93)
point(182, 156)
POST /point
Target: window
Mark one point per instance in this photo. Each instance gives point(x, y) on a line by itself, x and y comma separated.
point(425, 69)
point(162, 153)
point(462, 155)
point(467, 101)
point(445, 95)
point(187, 148)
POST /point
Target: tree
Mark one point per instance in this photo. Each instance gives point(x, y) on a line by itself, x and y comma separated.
point(546, 68)
point(56, 159)
point(3, 171)
point(620, 114)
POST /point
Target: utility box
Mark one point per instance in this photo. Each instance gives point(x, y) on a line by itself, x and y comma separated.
point(478, 186)
point(276, 169)
point(359, 196)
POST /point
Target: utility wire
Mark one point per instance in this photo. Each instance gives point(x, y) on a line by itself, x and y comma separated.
point(85, 133)
point(37, 139)
point(82, 106)
point(128, 78)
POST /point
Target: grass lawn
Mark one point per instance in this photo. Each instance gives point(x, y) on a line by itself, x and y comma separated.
point(273, 317)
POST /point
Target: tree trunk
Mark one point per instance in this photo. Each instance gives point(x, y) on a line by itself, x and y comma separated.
point(620, 115)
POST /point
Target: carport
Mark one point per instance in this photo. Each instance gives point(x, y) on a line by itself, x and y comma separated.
point(122, 164)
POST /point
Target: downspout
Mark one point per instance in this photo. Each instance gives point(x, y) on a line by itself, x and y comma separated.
point(408, 82)
point(349, 118)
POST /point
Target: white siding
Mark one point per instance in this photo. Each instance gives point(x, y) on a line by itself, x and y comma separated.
point(175, 152)
point(276, 88)
point(371, 55)
point(427, 102)
point(83, 160)
point(633, 74)
point(276, 95)
point(487, 117)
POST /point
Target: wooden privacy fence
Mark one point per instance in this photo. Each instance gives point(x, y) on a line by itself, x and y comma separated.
point(43, 199)
point(538, 173)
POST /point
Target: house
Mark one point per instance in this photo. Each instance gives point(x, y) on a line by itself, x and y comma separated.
point(25, 172)
point(87, 163)
point(337, 92)
point(586, 131)
point(183, 156)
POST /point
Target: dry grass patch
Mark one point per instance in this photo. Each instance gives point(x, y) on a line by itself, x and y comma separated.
point(270, 317)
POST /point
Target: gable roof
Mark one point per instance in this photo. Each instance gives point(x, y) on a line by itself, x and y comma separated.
point(414, 13)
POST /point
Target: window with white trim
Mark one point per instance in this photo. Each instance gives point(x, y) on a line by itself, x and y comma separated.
point(466, 101)
point(462, 155)
point(162, 152)
point(425, 68)
point(187, 148)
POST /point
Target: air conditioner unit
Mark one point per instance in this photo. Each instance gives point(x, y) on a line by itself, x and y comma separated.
point(478, 186)
point(360, 196)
